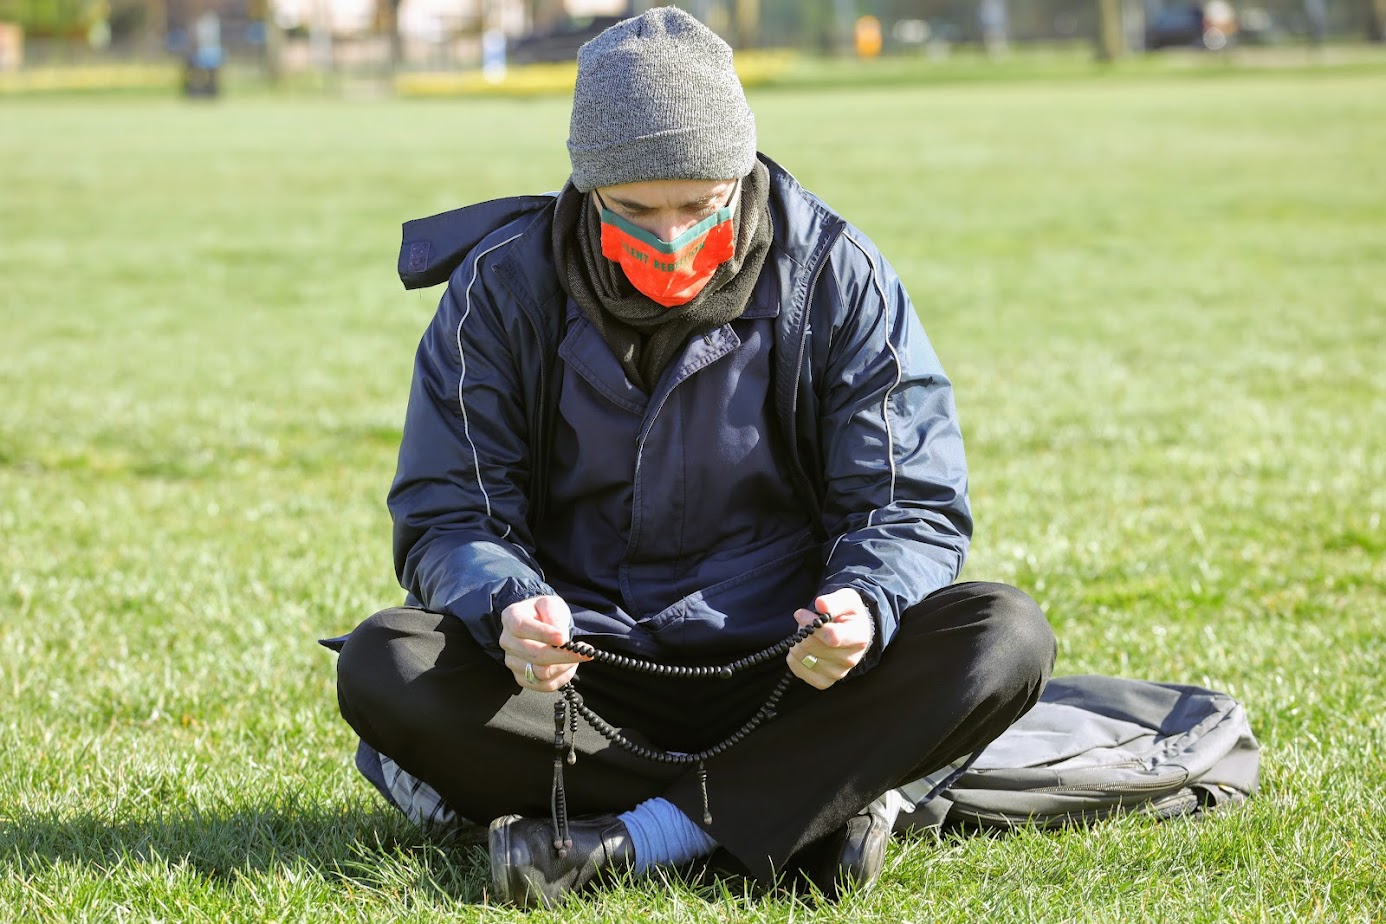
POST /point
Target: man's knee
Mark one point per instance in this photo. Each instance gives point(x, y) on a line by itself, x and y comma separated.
point(1020, 635)
point(379, 659)
point(366, 654)
point(1018, 647)
point(1008, 641)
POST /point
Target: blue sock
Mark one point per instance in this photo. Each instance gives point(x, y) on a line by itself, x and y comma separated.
point(664, 836)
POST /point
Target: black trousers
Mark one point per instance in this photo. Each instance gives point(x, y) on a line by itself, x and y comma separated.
point(967, 662)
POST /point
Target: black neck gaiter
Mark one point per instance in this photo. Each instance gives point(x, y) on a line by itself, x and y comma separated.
point(644, 335)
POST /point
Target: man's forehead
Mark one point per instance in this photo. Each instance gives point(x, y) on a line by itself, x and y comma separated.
point(668, 193)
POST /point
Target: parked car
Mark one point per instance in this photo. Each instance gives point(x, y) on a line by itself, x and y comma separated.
point(1210, 25)
point(560, 42)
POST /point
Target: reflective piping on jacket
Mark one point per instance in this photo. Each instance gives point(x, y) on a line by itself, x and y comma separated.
point(899, 371)
point(885, 416)
point(462, 377)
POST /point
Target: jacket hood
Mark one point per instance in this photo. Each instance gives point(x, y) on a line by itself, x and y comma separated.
point(433, 247)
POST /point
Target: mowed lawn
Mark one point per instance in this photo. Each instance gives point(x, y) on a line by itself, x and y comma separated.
point(1162, 301)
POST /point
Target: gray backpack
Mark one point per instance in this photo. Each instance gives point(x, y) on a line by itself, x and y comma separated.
point(1094, 746)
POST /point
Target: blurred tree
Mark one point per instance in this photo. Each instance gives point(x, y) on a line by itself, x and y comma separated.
point(387, 24)
point(544, 14)
point(744, 16)
point(844, 22)
point(261, 14)
point(1111, 38)
point(993, 20)
point(49, 18)
point(1377, 23)
point(1133, 23)
point(1316, 19)
point(129, 21)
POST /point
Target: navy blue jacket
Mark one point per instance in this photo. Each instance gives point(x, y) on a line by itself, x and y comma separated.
point(826, 392)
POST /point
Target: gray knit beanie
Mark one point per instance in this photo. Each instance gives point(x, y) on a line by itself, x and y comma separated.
point(657, 99)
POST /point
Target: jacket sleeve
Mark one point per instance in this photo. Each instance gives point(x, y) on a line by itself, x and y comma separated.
point(895, 476)
point(462, 542)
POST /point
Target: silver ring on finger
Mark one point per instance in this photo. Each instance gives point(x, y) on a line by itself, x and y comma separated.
point(809, 661)
point(529, 675)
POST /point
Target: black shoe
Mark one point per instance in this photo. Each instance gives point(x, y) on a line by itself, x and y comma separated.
point(852, 857)
point(526, 870)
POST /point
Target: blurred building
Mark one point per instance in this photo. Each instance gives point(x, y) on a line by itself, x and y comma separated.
point(373, 34)
point(432, 19)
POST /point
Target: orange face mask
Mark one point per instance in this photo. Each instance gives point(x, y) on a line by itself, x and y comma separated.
point(673, 272)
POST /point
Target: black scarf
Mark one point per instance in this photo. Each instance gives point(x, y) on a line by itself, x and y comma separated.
point(644, 335)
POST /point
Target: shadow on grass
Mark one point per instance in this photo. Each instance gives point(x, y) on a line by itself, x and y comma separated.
point(374, 851)
point(357, 851)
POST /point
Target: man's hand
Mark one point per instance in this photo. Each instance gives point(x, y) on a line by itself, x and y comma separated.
point(529, 631)
point(837, 647)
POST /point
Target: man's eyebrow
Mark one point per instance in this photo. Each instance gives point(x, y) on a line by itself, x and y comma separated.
point(630, 204)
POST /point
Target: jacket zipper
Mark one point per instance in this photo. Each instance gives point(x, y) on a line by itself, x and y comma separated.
point(791, 419)
point(641, 435)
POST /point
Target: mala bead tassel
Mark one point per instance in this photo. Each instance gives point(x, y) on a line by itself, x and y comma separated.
point(559, 808)
point(702, 786)
point(558, 794)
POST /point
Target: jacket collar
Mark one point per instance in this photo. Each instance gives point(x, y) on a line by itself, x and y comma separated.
point(432, 247)
point(805, 230)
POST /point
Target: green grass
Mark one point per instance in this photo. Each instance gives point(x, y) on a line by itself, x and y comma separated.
point(1162, 300)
